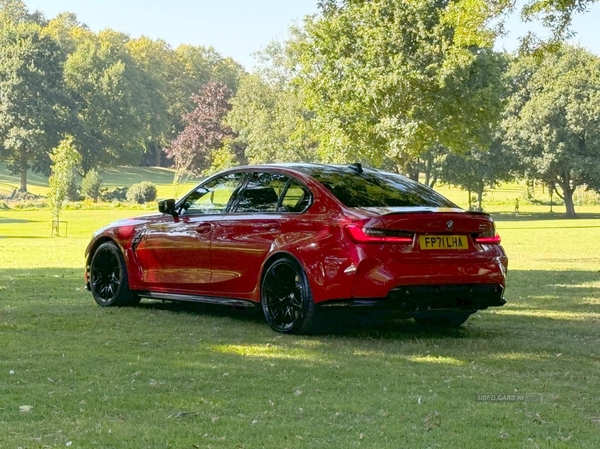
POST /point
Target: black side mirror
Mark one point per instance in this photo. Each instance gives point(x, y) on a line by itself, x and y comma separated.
point(167, 207)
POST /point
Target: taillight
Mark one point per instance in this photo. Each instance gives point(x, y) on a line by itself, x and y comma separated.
point(377, 235)
point(489, 240)
point(488, 237)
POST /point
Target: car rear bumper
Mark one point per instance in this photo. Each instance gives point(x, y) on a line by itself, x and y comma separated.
point(414, 299)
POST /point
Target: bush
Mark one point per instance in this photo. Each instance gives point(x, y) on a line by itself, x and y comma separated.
point(116, 194)
point(73, 190)
point(142, 192)
point(90, 185)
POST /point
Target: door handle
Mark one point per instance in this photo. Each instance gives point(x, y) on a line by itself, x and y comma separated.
point(203, 228)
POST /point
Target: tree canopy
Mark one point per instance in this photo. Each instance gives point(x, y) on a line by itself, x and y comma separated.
point(204, 130)
point(395, 78)
point(553, 119)
point(121, 99)
point(31, 95)
point(413, 86)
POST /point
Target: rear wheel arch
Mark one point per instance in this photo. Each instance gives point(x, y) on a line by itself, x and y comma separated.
point(273, 258)
point(285, 295)
point(282, 255)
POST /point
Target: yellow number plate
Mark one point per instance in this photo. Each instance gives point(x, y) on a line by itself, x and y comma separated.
point(443, 242)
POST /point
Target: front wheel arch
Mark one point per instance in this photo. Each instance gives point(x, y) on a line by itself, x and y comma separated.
point(108, 277)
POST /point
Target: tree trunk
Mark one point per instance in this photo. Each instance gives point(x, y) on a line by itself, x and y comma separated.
point(403, 164)
point(567, 193)
point(480, 199)
point(24, 168)
point(470, 202)
point(158, 151)
point(568, 199)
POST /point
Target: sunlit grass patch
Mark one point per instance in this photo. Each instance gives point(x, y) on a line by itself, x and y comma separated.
point(552, 314)
point(522, 356)
point(436, 360)
point(268, 351)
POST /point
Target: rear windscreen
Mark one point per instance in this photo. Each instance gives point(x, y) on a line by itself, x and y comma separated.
point(377, 189)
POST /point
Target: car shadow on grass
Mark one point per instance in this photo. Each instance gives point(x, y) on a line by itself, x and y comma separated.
point(561, 301)
point(535, 296)
point(329, 322)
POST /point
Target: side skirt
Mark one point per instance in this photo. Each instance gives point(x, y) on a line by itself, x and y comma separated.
point(196, 298)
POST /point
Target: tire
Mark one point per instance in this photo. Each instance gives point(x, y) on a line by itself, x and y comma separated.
point(443, 319)
point(285, 297)
point(108, 278)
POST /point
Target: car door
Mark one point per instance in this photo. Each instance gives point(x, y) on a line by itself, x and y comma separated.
point(246, 235)
point(175, 253)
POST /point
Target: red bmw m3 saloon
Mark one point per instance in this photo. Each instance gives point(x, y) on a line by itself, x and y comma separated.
point(293, 238)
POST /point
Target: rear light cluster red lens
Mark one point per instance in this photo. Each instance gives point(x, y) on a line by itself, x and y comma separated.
point(490, 237)
point(378, 235)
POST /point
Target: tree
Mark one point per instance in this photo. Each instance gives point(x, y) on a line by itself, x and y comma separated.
point(157, 90)
point(269, 115)
point(391, 79)
point(31, 88)
point(90, 185)
point(108, 109)
point(198, 66)
point(556, 16)
point(67, 31)
point(553, 120)
point(65, 159)
point(204, 131)
point(484, 19)
point(15, 11)
point(478, 170)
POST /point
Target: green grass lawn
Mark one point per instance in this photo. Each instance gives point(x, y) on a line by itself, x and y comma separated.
point(168, 375)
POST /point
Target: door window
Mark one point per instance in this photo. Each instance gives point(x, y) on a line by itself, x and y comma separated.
point(262, 193)
point(272, 192)
point(214, 196)
point(296, 198)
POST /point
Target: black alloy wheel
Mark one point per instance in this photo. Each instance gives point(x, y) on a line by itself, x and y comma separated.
point(108, 278)
point(286, 298)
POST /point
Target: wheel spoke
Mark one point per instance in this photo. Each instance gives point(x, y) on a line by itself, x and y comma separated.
point(273, 293)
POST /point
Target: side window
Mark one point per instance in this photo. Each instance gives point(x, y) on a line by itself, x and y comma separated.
point(296, 198)
point(213, 197)
point(261, 193)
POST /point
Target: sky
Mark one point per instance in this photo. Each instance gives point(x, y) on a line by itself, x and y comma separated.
point(236, 28)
